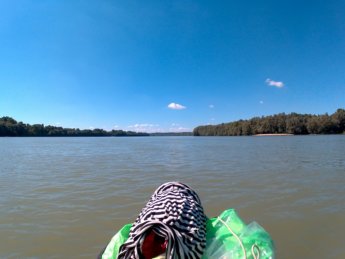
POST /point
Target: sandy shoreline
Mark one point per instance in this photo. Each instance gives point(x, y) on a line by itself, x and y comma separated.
point(273, 134)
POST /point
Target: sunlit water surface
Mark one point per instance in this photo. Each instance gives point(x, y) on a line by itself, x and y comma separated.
point(66, 197)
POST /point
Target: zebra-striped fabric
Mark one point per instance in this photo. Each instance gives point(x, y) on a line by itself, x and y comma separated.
point(175, 213)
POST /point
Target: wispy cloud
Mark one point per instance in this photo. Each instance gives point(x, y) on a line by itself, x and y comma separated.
point(261, 102)
point(277, 84)
point(176, 106)
point(211, 106)
point(179, 129)
point(153, 128)
point(145, 127)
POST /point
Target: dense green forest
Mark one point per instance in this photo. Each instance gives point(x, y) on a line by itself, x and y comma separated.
point(293, 123)
point(11, 128)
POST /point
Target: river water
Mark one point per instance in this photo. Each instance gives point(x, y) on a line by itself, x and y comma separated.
point(66, 197)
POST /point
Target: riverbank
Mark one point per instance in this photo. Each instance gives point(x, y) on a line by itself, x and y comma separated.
point(273, 134)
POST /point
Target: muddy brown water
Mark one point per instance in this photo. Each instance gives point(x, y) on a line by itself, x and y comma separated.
point(66, 197)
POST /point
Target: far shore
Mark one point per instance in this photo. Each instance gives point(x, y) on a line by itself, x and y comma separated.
point(273, 134)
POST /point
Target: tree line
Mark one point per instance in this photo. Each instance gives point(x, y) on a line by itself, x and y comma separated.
point(11, 128)
point(293, 123)
point(171, 134)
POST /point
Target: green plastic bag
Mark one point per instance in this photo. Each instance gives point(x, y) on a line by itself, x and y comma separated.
point(227, 237)
point(112, 249)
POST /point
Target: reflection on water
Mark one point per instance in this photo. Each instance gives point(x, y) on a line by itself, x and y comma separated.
point(66, 197)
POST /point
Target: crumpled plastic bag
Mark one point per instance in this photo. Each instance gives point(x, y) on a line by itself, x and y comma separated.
point(223, 240)
point(113, 247)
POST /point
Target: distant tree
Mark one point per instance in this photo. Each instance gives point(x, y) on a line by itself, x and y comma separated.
point(326, 125)
point(10, 127)
point(298, 124)
point(339, 120)
point(246, 128)
point(313, 125)
point(8, 120)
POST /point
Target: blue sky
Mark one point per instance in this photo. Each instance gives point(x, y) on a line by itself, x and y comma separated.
point(169, 65)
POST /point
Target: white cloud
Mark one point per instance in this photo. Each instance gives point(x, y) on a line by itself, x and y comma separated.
point(211, 106)
point(274, 83)
point(154, 128)
point(144, 127)
point(179, 129)
point(176, 106)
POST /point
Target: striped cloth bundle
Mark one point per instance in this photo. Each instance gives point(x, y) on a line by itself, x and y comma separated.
point(174, 212)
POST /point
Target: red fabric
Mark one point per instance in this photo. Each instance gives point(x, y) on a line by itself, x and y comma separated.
point(153, 245)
